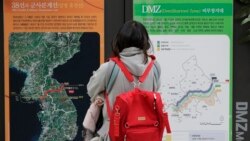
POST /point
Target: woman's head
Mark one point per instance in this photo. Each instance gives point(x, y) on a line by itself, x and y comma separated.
point(131, 34)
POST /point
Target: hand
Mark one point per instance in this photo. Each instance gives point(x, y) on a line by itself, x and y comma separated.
point(99, 101)
point(88, 135)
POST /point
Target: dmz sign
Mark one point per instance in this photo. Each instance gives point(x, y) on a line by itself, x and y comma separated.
point(151, 8)
point(241, 121)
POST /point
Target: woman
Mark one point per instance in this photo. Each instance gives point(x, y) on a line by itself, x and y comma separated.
point(131, 45)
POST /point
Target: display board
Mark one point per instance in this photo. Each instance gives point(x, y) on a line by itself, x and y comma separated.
point(1, 78)
point(51, 49)
point(192, 41)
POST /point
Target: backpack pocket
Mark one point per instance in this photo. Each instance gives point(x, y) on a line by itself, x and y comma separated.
point(142, 134)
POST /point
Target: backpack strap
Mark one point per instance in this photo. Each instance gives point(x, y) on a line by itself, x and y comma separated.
point(167, 125)
point(124, 69)
point(156, 73)
point(113, 71)
point(146, 72)
point(128, 74)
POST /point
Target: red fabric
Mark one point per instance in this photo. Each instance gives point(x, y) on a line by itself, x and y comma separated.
point(167, 123)
point(141, 117)
point(137, 115)
point(108, 104)
point(128, 74)
point(145, 73)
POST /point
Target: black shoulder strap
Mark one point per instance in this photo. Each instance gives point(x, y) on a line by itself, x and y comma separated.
point(112, 72)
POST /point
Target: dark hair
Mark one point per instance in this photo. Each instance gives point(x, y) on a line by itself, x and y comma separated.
point(131, 34)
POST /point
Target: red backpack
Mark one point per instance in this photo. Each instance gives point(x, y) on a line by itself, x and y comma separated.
point(137, 115)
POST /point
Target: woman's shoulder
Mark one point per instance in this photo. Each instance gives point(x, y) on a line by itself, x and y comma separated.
point(158, 67)
point(106, 66)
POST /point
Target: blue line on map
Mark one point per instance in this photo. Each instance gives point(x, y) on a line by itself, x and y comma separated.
point(194, 91)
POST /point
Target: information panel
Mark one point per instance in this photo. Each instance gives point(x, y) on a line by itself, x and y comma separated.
point(50, 51)
point(192, 41)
